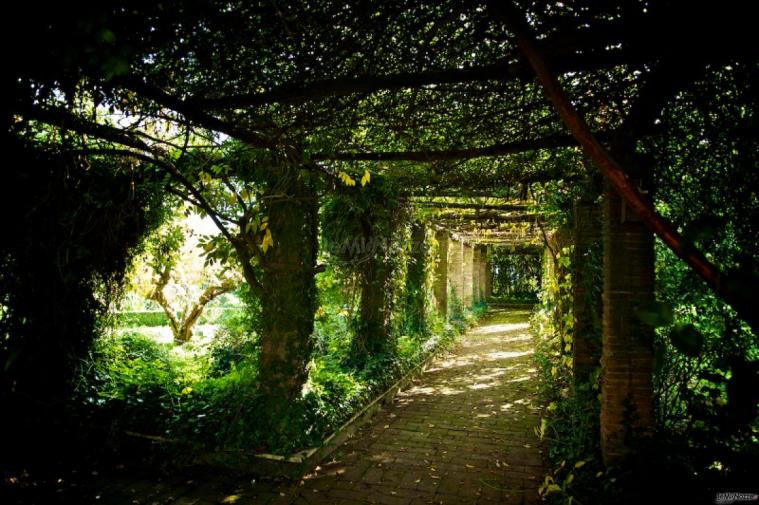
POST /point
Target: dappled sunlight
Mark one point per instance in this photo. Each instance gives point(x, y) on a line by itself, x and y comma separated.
point(495, 355)
point(500, 328)
point(506, 345)
point(474, 360)
point(520, 379)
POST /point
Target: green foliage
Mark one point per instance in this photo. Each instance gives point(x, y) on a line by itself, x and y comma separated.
point(570, 427)
point(206, 398)
point(143, 318)
point(76, 223)
point(136, 383)
point(516, 277)
point(706, 176)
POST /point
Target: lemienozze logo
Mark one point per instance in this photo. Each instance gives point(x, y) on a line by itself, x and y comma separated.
point(727, 498)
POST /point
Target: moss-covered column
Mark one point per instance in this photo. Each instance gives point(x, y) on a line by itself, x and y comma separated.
point(440, 283)
point(628, 269)
point(456, 271)
point(416, 275)
point(586, 289)
point(288, 290)
point(372, 334)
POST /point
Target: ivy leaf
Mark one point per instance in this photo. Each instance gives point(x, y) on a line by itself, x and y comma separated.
point(655, 313)
point(205, 178)
point(366, 178)
point(347, 179)
point(267, 241)
point(687, 339)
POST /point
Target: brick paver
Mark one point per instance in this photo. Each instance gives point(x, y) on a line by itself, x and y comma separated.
point(462, 434)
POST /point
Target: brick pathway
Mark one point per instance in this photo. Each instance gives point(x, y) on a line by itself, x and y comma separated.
point(463, 434)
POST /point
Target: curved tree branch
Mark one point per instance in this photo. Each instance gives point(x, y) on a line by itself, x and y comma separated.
point(615, 173)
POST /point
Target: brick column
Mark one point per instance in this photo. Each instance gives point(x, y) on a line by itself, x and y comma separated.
point(467, 272)
point(440, 284)
point(626, 357)
point(587, 304)
point(456, 268)
point(476, 259)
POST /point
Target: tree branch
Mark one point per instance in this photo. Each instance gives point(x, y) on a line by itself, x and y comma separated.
point(504, 149)
point(194, 113)
point(568, 59)
point(615, 173)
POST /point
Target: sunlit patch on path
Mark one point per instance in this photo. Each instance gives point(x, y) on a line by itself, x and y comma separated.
point(463, 434)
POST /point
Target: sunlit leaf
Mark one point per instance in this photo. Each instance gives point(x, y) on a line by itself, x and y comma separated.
point(347, 179)
point(267, 241)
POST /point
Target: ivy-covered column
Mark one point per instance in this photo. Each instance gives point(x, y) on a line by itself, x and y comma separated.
point(372, 334)
point(456, 271)
point(467, 277)
point(440, 283)
point(628, 268)
point(586, 287)
point(416, 275)
point(288, 291)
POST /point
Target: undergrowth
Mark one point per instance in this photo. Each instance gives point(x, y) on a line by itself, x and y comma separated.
point(198, 398)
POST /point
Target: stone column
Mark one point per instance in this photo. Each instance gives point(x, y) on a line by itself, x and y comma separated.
point(483, 277)
point(440, 285)
point(476, 259)
point(626, 357)
point(456, 269)
point(488, 278)
point(467, 274)
point(587, 304)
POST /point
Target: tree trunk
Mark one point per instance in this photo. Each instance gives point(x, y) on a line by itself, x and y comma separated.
point(183, 334)
point(288, 290)
point(158, 296)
